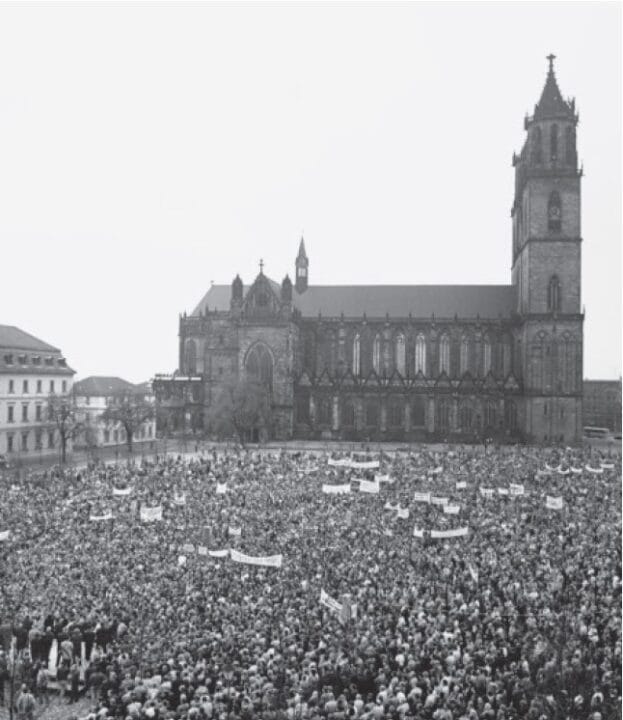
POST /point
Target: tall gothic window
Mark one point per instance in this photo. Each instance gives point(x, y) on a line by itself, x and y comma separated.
point(570, 156)
point(554, 212)
point(553, 141)
point(400, 354)
point(348, 413)
point(191, 357)
point(396, 413)
point(418, 411)
point(372, 413)
point(490, 414)
point(420, 354)
point(324, 410)
point(444, 355)
point(357, 355)
point(486, 356)
point(510, 412)
point(466, 416)
point(553, 294)
point(537, 146)
point(376, 354)
point(259, 365)
point(464, 355)
point(443, 415)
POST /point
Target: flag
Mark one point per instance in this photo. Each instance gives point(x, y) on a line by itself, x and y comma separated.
point(473, 572)
point(329, 602)
point(150, 514)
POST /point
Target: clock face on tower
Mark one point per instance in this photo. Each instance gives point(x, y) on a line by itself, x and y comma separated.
point(554, 213)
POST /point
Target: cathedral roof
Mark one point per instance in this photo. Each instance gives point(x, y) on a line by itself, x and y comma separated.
point(465, 301)
point(551, 104)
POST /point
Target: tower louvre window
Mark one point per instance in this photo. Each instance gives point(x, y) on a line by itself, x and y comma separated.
point(357, 355)
point(537, 146)
point(553, 294)
point(570, 156)
point(444, 355)
point(376, 354)
point(401, 360)
point(554, 212)
point(420, 354)
point(553, 142)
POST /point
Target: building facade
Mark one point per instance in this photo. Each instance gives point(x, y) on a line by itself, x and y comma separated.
point(602, 404)
point(30, 371)
point(93, 395)
point(414, 362)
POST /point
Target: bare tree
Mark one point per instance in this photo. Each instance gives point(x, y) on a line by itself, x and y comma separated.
point(240, 408)
point(62, 413)
point(130, 410)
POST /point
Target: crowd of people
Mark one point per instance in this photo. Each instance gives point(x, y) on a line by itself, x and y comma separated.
point(517, 618)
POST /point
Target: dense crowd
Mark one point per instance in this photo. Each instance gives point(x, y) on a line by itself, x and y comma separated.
point(520, 618)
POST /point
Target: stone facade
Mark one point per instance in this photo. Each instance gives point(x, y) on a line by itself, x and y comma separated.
point(418, 362)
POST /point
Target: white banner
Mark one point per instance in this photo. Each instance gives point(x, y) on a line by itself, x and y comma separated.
point(368, 486)
point(234, 531)
point(548, 467)
point(267, 561)
point(607, 466)
point(421, 497)
point(553, 503)
point(201, 550)
point(418, 533)
point(461, 485)
point(516, 489)
point(344, 462)
point(486, 492)
point(384, 478)
point(4, 535)
point(502, 491)
point(595, 471)
point(95, 518)
point(120, 492)
point(437, 470)
point(562, 472)
point(576, 471)
point(181, 560)
point(336, 489)
point(218, 553)
point(438, 500)
point(451, 509)
point(221, 488)
point(179, 499)
point(457, 532)
point(149, 514)
point(188, 548)
point(329, 602)
point(368, 465)
point(403, 513)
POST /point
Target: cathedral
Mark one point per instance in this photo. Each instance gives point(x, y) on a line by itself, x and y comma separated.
point(411, 362)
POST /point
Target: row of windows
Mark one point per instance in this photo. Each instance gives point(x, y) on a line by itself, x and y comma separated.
point(36, 360)
point(22, 443)
point(26, 386)
point(11, 418)
point(119, 436)
point(570, 153)
point(470, 415)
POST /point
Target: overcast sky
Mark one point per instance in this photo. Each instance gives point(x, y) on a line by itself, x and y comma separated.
point(148, 150)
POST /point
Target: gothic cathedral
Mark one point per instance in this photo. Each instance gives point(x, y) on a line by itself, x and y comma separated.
point(407, 363)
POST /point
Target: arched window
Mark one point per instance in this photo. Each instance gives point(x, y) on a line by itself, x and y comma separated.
point(400, 354)
point(190, 353)
point(372, 413)
point(396, 413)
point(570, 153)
point(553, 294)
point(464, 355)
point(444, 355)
point(418, 411)
point(348, 413)
point(324, 411)
point(537, 146)
point(554, 212)
point(420, 354)
point(506, 356)
point(357, 355)
point(466, 415)
point(490, 414)
point(376, 354)
point(486, 356)
point(443, 414)
point(510, 412)
point(553, 142)
point(259, 365)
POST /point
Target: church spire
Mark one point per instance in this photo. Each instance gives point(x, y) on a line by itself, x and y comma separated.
point(301, 265)
point(551, 105)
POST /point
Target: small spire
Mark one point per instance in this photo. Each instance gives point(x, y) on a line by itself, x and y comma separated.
point(302, 252)
point(261, 267)
point(551, 57)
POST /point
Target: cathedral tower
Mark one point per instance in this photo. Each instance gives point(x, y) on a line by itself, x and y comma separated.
point(546, 268)
point(302, 267)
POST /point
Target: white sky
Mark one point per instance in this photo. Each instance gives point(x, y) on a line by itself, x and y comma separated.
point(147, 150)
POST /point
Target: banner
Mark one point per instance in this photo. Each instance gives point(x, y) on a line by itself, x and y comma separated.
point(218, 553)
point(221, 488)
point(576, 471)
point(268, 561)
point(369, 465)
point(439, 500)
point(502, 491)
point(516, 489)
point(344, 462)
point(403, 513)
point(461, 485)
point(150, 514)
point(121, 492)
point(562, 472)
point(473, 572)
point(336, 489)
point(181, 560)
point(95, 518)
point(595, 471)
point(384, 478)
point(486, 492)
point(418, 533)
point(451, 509)
point(234, 531)
point(329, 602)
point(553, 503)
point(607, 466)
point(201, 550)
point(369, 486)
point(188, 548)
point(457, 532)
point(179, 499)
point(4, 535)
point(437, 470)
point(421, 497)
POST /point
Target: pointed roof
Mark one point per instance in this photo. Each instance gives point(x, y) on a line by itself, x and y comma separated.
point(551, 104)
point(302, 253)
